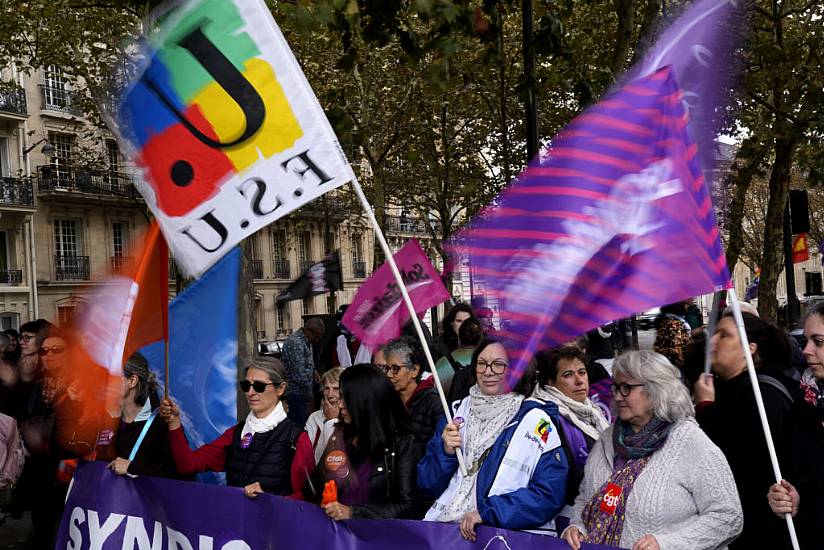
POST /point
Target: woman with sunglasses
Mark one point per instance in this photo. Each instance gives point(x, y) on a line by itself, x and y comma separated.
point(266, 453)
point(371, 456)
point(654, 480)
point(140, 444)
point(516, 469)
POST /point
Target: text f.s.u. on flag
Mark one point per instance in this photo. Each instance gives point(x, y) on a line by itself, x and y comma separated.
point(224, 127)
point(615, 219)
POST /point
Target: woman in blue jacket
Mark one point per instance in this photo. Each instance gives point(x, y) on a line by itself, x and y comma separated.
point(516, 468)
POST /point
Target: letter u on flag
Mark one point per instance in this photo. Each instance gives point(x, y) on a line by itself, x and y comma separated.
point(377, 313)
point(225, 128)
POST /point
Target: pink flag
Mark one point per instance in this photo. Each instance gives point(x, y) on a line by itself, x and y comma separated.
point(377, 313)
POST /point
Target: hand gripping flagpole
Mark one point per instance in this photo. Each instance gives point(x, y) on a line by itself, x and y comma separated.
point(409, 306)
point(759, 401)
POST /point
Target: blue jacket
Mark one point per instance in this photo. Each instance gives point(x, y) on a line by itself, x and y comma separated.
point(526, 508)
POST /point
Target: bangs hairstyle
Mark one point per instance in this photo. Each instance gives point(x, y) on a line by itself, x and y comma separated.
point(375, 407)
point(662, 383)
point(546, 362)
point(525, 385)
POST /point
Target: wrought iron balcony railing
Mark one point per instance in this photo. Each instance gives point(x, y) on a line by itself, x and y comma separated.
point(13, 100)
point(281, 269)
point(71, 268)
point(256, 269)
point(16, 192)
point(53, 177)
point(120, 263)
point(306, 264)
point(12, 277)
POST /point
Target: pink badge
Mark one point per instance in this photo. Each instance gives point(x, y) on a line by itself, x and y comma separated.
point(246, 440)
point(105, 438)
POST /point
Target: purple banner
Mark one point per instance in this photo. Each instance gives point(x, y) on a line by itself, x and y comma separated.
point(106, 511)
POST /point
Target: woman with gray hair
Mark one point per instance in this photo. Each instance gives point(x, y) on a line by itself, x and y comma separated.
point(654, 480)
point(265, 453)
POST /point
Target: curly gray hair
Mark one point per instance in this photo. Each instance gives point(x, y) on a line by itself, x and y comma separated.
point(662, 383)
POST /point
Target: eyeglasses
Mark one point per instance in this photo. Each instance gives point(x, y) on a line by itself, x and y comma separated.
point(393, 369)
point(54, 350)
point(26, 337)
point(623, 388)
point(497, 367)
point(257, 385)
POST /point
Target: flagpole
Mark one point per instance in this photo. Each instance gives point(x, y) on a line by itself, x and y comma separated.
point(759, 402)
point(711, 322)
point(409, 306)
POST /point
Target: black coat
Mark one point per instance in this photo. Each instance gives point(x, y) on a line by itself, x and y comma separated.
point(733, 424)
point(392, 482)
point(425, 410)
point(807, 473)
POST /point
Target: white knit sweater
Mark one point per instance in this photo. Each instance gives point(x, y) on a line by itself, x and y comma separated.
point(685, 496)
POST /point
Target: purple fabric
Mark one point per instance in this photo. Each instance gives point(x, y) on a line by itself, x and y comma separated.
point(208, 516)
point(606, 526)
point(615, 219)
point(356, 488)
point(576, 441)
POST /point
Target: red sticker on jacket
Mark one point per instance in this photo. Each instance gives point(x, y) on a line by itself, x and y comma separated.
point(610, 500)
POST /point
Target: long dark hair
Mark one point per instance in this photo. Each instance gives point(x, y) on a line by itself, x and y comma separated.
point(375, 407)
point(449, 336)
point(773, 343)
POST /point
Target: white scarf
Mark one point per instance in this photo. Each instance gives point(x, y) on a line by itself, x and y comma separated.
point(486, 418)
point(586, 416)
point(255, 425)
point(145, 412)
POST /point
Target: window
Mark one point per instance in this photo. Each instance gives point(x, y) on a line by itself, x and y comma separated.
point(331, 303)
point(5, 164)
point(113, 155)
point(812, 282)
point(279, 252)
point(305, 250)
point(55, 93)
point(307, 306)
point(282, 318)
point(260, 321)
point(9, 320)
point(67, 240)
point(66, 313)
point(119, 246)
point(62, 157)
point(358, 265)
point(329, 243)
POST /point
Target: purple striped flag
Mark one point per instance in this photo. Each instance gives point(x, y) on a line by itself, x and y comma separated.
point(613, 218)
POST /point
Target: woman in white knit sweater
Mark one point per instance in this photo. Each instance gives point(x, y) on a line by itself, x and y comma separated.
point(654, 480)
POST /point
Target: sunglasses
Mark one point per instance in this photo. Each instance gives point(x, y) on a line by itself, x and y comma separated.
point(54, 350)
point(257, 385)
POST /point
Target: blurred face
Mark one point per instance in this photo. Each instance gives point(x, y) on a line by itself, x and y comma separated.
point(460, 317)
point(728, 358)
point(264, 402)
point(344, 412)
point(331, 393)
point(572, 379)
point(313, 336)
point(53, 355)
point(12, 344)
point(28, 343)
point(814, 350)
point(490, 368)
point(635, 407)
point(379, 359)
point(402, 375)
point(486, 321)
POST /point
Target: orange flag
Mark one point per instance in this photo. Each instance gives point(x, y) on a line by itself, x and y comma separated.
point(801, 251)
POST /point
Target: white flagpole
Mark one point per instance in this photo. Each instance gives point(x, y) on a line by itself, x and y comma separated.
point(711, 322)
point(759, 401)
point(409, 306)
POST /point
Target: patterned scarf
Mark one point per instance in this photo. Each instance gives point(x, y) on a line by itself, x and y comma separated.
point(813, 391)
point(604, 514)
point(629, 444)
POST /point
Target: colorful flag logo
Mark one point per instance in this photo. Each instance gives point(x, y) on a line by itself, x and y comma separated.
point(224, 127)
point(801, 249)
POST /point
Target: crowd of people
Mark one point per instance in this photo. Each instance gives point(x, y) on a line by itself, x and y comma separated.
point(597, 443)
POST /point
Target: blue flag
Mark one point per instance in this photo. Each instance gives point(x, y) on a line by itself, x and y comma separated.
point(203, 353)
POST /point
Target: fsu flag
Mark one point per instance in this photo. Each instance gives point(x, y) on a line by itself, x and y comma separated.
point(322, 277)
point(377, 313)
point(224, 127)
point(801, 250)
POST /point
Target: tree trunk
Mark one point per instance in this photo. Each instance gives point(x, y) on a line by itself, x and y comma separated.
point(379, 192)
point(247, 319)
point(625, 11)
point(784, 149)
point(741, 181)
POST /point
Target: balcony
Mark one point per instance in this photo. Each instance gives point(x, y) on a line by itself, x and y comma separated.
point(59, 99)
point(13, 100)
point(281, 269)
point(12, 277)
point(71, 268)
point(16, 192)
point(359, 270)
point(256, 269)
point(119, 264)
point(52, 179)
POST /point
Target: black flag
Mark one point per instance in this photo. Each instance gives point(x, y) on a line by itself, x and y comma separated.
point(320, 278)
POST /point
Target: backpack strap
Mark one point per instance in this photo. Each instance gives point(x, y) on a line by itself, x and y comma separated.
point(772, 382)
point(455, 365)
